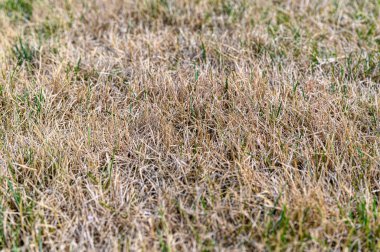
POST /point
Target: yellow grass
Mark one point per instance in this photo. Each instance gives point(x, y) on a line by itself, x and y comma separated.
point(189, 125)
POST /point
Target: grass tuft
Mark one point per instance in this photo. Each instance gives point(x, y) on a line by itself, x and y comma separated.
point(23, 52)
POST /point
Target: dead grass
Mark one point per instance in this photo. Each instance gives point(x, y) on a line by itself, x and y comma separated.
point(189, 125)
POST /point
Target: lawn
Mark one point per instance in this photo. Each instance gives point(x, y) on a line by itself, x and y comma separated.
point(189, 125)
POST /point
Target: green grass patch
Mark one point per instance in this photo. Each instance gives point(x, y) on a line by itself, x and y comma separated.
point(17, 8)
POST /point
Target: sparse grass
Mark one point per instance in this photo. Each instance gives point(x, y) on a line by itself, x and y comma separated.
point(189, 125)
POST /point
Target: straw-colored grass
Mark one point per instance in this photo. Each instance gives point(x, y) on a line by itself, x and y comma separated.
point(189, 125)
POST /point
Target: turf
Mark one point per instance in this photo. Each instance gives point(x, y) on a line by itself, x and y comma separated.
point(202, 125)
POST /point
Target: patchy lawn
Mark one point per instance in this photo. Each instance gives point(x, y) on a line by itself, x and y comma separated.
point(189, 125)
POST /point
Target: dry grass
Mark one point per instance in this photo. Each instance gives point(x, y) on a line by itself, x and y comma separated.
point(189, 125)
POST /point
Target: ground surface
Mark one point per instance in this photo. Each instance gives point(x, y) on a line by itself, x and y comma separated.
point(189, 125)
